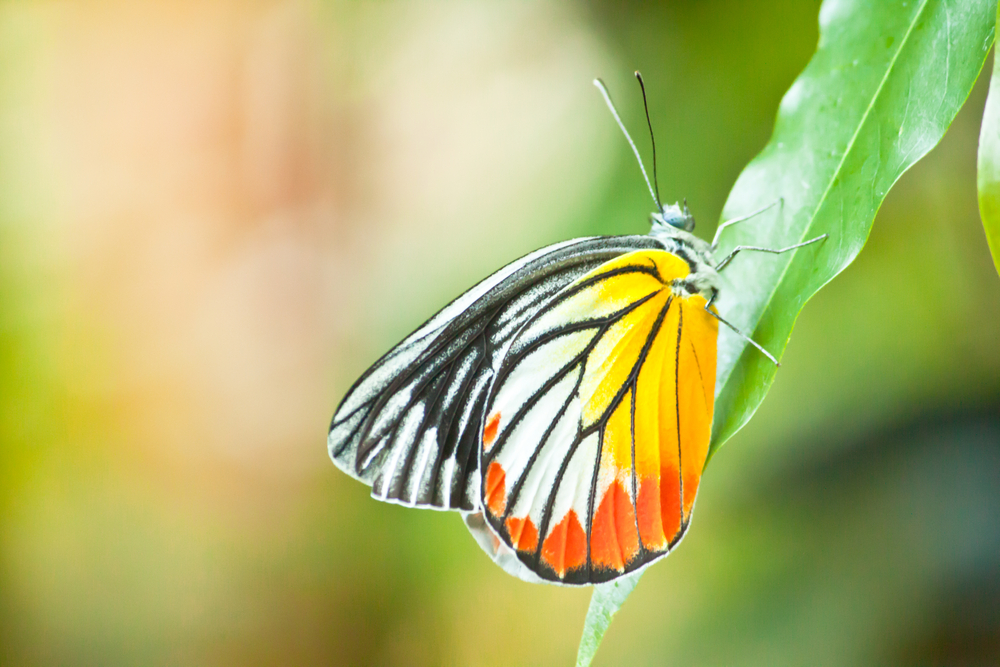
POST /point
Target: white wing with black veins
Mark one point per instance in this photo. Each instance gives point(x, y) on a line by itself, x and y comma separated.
point(411, 426)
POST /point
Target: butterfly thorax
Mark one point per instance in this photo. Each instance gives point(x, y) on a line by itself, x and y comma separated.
point(672, 226)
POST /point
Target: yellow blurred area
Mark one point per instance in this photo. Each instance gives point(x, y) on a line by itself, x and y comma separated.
point(215, 215)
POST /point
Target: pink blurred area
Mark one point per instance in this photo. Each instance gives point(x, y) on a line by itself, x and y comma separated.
point(225, 211)
point(237, 194)
point(197, 211)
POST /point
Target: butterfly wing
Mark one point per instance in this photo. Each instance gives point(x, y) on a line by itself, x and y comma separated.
point(598, 422)
point(410, 426)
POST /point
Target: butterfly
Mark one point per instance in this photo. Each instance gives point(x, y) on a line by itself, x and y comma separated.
point(563, 405)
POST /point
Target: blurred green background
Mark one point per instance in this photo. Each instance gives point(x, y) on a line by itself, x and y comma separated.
point(215, 215)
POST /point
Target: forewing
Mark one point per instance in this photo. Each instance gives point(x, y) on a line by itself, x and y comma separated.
point(598, 422)
point(410, 426)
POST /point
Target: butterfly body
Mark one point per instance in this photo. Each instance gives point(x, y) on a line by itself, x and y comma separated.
point(672, 227)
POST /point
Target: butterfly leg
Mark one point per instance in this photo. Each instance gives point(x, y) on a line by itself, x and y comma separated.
point(708, 309)
point(721, 265)
point(728, 223)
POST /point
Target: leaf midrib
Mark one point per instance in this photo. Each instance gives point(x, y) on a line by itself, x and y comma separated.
point(836, 173)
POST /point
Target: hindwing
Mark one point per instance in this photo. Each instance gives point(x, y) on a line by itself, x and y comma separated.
point(598, 421)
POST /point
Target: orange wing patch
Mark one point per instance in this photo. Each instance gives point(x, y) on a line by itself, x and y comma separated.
point(496, 492)
point(523, 533)
point(613, 538)
point(566, 546)
point(696, 393)
point(490, 432)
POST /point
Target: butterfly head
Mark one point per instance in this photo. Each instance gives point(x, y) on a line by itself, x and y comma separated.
point(675, 217)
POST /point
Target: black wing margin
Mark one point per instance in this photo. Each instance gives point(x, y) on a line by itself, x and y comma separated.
point(412, 423)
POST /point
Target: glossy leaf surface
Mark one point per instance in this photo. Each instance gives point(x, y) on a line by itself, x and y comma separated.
point(885, 83)
point(989, 167)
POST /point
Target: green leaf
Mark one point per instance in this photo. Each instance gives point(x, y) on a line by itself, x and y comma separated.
point(989, 165)
point(886, 81)
point(604, 604)
point(883, 86)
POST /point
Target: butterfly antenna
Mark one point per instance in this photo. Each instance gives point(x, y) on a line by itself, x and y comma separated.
point(649, 124)
point(614, 112)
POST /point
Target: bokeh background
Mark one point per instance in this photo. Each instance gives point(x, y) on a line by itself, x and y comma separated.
point(215, 215)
